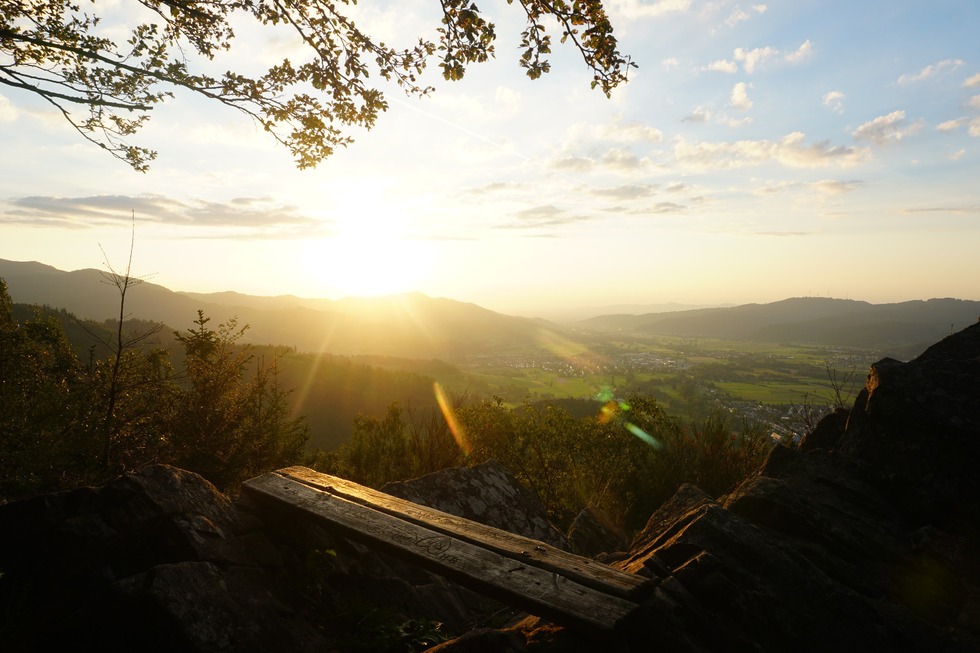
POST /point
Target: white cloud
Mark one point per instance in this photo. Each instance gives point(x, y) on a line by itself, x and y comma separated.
point(700, 114)
point(974, 102)
point(737, 16)
point(884, 130)
point(573, 163)
point(952, 125)
point(931, 71)
point(972, 82)
point(759, 9)
point(974, 130)
point(622, 159)
point(722, 66)
point(670, 63)
point(580, 136)
point(734, 122)
point(626, 192)
point(630, 132)
point(958, 154)
point(790, 151)
point(834, 100)
point(804, 52)
point(752, 58)
point(740, 97)
point(8, 112)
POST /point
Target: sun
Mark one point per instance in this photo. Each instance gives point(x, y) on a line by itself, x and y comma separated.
point(370, 255)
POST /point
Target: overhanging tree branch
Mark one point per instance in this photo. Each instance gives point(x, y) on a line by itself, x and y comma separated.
point(118, 82)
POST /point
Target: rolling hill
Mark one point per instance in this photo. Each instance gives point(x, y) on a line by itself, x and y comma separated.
point(818, 320)
point(409, 325)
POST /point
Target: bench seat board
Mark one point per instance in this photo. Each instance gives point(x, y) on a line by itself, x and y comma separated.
point(522, 572)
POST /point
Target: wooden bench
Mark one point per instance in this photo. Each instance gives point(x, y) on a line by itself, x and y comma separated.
point(527, 574)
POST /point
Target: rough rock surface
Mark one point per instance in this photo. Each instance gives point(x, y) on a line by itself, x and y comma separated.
point(159, 560)
point(865, 539)
point(487, 493)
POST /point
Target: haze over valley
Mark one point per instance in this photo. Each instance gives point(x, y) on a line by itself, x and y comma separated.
point(356, 356)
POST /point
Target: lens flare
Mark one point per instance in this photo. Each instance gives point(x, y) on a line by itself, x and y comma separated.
point(459, 433)
point(613, 410)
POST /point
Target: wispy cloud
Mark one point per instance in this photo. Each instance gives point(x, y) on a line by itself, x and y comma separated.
point(739, 15)
point(626, 191)
point(573, 163)
point(629, 132)
point(497, 187)
point(888, 129)
point(734, 122)
point(802, 53)
point(259, 214)
point(700, 114)
point(835, 186)
point(834, 100)
point(791, 151)
point(957, 210)
point(952, 125)
point(740, 97)
point(931, 71)
point(972, 82)
point(545, 215)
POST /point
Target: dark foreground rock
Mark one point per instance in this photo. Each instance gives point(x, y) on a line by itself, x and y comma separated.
point(159, 560)
point(864, 539)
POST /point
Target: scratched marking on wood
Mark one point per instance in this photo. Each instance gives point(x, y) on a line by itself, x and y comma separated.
point(513, 573)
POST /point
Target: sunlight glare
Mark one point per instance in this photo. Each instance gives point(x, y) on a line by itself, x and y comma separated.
point(371, 252)
point(459, 433)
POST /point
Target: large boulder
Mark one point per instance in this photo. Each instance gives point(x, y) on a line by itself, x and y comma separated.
point(159, 560)
point(487, 493)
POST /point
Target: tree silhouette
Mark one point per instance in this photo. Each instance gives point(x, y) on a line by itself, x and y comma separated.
point(106, 89)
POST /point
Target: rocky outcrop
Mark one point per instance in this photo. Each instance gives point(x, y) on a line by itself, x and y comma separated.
point(864, 539)
point(487, 493)
point(159, 560)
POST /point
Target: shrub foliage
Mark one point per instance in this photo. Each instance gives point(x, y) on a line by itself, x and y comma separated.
point(65, 423)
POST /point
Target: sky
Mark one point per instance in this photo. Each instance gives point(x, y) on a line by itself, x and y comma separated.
point(758, 152)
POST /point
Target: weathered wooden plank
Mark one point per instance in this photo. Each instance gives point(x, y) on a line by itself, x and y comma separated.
point(532, 552)
point(537, 591)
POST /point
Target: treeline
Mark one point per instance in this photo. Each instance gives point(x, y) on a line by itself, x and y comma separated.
point(623, 459)
point(67, 421)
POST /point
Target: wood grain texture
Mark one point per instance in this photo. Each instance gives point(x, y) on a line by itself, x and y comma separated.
point(522, 572)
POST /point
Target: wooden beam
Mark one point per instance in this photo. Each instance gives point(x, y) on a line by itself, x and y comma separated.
point(519, 571)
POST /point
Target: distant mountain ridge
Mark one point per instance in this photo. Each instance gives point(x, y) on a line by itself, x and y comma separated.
point(410, 325)
point(414, 325)
point(817, 320)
